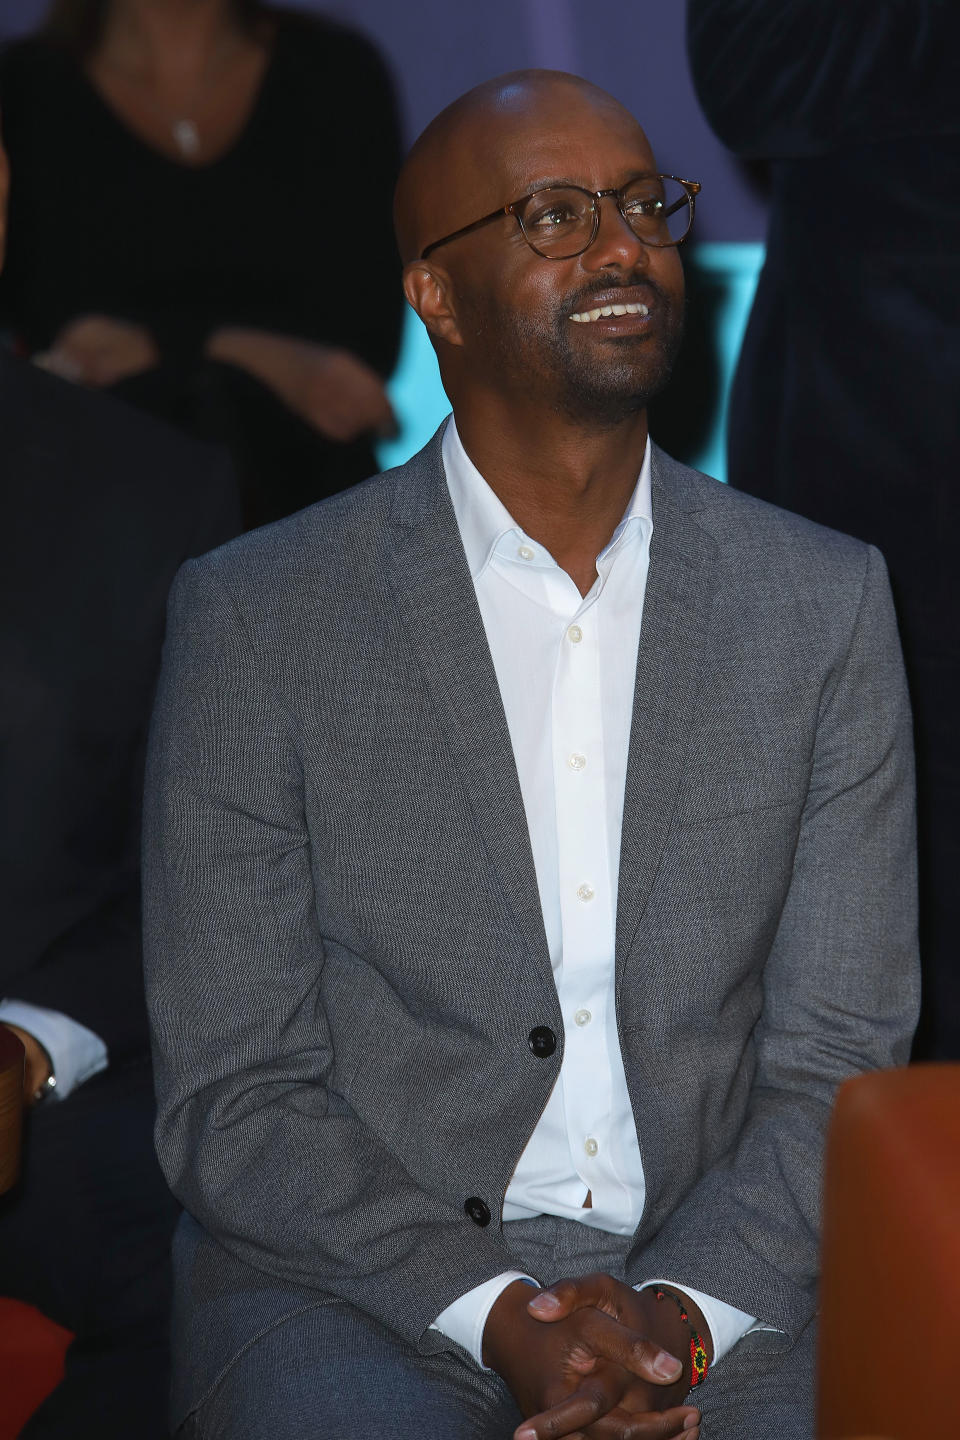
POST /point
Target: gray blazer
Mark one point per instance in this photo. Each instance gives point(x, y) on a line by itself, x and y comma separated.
point(345, 953)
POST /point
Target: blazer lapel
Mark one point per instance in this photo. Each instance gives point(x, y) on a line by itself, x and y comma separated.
point(670, 661)
point(432, 585)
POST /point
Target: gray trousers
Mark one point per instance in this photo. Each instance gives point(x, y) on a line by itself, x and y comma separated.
point(325, 1371)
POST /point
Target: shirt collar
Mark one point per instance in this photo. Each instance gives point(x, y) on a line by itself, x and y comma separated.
point(484, 520)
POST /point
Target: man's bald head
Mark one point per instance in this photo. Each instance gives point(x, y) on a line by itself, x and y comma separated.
point(506, 322)
point(455, 170)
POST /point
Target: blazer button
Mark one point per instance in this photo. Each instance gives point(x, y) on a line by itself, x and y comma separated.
point(477, 1210)
point(542, 1041)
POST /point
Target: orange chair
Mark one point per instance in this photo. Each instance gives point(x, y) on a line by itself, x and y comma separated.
point(890, 1293)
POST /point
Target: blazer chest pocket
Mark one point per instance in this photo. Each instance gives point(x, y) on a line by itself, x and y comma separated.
point(724, 791)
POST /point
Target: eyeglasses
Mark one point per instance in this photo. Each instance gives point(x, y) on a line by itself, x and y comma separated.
point(562, 221)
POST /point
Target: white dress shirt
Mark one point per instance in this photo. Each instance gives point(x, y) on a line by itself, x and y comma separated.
point(566, 666)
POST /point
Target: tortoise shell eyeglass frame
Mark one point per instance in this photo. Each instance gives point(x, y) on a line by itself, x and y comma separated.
point(691, 188)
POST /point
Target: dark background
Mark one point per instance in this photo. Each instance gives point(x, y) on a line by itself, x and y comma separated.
point(439, 49)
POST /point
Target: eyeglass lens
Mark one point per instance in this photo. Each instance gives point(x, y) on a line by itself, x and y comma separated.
point(559, 221)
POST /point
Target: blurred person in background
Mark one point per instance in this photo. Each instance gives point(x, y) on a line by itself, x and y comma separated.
point(100, 506)
point(846, 406)
point(200, 220)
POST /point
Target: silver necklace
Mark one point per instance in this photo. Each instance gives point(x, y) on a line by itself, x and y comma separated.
point(186, 132)
point(186, 137)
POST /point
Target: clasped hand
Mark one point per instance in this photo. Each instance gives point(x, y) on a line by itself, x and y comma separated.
point(583, 1359)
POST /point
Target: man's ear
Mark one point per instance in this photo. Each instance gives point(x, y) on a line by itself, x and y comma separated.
point(429, 291)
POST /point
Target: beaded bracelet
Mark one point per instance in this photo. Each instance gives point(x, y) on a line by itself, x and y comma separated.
point(698, 1351)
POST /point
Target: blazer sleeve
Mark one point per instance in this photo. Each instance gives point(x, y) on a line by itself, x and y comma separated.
point(254, 1140)
point(840, 992)
point(797, 77)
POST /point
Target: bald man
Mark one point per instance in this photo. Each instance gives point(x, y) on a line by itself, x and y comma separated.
point(529, 857)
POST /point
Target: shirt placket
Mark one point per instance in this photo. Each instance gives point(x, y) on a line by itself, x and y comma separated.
point(586, 903)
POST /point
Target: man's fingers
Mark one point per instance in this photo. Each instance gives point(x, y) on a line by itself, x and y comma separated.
point(601, 1330)
point(568, 1418)
point(556, 1302)
point(606, 1337)
point(678, 1424)
point(595, 1398)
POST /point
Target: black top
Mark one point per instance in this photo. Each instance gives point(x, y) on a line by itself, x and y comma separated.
point(290, 230)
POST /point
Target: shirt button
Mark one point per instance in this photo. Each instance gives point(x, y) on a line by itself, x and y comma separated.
point(585, 893)
point(583, 1017)
point(576, 761)
point(525, 553)
point(591, 1146)
point(574, 634)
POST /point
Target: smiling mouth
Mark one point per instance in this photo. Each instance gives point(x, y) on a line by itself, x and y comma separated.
point(586, 317)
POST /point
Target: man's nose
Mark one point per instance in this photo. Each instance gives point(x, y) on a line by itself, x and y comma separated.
point(615, 243)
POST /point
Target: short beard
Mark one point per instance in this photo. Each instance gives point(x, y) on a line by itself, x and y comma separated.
point(597, 397)
point(604, 397)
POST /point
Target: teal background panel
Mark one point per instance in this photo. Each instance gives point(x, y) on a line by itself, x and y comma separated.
point(419, 400)
point(727, 273)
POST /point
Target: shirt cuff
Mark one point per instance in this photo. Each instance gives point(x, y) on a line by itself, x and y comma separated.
point(726, 1325)
point(76, 1053)
point(464, 1320)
